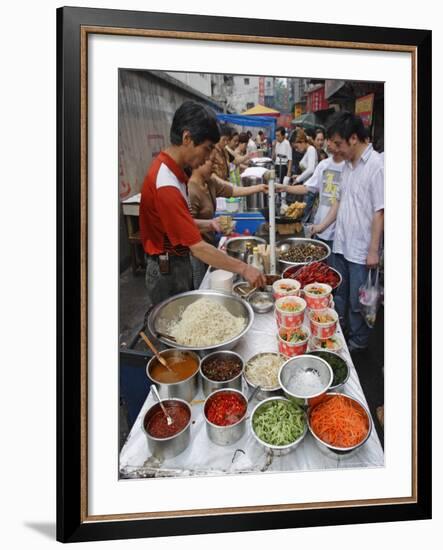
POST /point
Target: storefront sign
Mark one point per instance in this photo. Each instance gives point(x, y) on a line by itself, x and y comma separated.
point(364, 107)
point(316, 101)
point(261, 90)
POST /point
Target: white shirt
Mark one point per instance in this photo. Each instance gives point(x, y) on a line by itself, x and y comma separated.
point(307, 164)
point(362, 194)
point(326, 181)
point(251, 147)
point(283, 148)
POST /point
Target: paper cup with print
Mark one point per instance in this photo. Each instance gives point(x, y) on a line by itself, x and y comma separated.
point(285, 287)
point(290, 311)
point(323, 322)
point(317, 295)
point(292, 342)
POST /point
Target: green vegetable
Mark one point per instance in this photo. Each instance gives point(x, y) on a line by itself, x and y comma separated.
point(279, 422)
point(337, 364)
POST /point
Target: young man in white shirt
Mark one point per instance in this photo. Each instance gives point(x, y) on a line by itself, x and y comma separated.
point(359, 223)
point(282, 155)
point(325, 181)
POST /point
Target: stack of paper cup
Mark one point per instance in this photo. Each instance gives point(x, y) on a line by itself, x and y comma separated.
point(222, 280)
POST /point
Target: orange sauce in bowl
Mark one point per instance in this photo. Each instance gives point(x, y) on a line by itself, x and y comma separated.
point(182, 367)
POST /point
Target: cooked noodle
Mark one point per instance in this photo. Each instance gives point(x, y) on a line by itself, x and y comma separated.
point(206, 322)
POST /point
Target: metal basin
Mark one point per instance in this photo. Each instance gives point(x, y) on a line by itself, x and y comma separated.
point(236, 247)
point(286, 244)
point(209, 385)
point(225, 435)
point(171, 310)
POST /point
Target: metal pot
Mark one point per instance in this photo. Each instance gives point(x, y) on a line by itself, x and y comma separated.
point(167, 447)
point(330, 450)
point(286, 244)
point(170, 310)
point(185, 389)
point(209, 386)
point(225, 435)
point(339, 387)
point(305, 363)
point(278, 450)
point(236, 247)
point(263, 394)
point(257, 201)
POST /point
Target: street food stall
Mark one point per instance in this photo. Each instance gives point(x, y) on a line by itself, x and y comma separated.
point(269, 380)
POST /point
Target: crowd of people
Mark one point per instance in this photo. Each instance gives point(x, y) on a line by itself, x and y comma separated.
point(336, 170)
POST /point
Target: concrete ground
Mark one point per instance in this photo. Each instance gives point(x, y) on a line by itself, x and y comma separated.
point(369, 364)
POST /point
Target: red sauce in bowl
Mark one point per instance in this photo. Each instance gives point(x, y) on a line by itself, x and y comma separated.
point(225, 408)
point(157, 425)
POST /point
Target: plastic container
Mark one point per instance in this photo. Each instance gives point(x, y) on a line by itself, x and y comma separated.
point(279, 292)
point(290, 319)
point(323, 330)
point(292, 349)
point(314, 300)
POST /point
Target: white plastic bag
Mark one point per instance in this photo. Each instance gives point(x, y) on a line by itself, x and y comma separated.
point(369, 298)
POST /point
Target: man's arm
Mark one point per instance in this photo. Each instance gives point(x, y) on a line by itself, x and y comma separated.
point(212, 256)
point(331, 216)
point(376, 232)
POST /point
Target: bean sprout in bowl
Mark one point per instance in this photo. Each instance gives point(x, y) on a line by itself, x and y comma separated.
point(262, 370)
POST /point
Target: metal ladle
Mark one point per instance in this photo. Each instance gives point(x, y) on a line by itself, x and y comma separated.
point(157, 396)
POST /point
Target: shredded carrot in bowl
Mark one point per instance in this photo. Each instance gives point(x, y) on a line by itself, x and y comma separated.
point(340, 422)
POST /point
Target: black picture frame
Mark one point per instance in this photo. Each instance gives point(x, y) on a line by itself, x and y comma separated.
point(72, 524)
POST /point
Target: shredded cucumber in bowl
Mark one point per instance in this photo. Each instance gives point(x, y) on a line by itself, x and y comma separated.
point(279, 422)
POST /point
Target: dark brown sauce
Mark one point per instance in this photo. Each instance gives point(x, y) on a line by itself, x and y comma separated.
point(182, 368)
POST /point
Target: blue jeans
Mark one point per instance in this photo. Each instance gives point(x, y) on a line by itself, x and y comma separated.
point(346, 300)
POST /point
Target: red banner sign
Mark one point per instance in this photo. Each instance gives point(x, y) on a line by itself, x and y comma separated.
point(316, 101)
point(364, 107)
point(261, 90)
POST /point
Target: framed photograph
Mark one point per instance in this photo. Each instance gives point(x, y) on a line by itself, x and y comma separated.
point(126, 82)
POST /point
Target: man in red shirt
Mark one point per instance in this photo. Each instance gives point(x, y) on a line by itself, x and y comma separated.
point(168, 232)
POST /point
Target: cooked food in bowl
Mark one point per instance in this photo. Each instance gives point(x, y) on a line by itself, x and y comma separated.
point(304, 252)
point(293, 336)
point(225, 408)
point(262, 370)
point(181, 368)
point(278, 422)
point(223, 367)
point(338, 365)
point(322, 317)
point(316, 289)
point(293, 307)
point(206, 322)
point(339, 421)
point(285, 287)
point(157, 425)
point(334, 343)
point(317, 272)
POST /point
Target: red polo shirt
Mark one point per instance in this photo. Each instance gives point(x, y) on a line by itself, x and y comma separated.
point(166, 224)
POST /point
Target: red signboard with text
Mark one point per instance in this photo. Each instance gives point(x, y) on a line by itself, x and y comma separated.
point(364, 107)
point(316, 101)
point(261, 90)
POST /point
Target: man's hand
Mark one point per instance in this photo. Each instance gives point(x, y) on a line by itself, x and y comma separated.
point(253, 276)
point(214, 225)
point(372, 260)
point(316, 228)
point(279, 188)
point(263, 188)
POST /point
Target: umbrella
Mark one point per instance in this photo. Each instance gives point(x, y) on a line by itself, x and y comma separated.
point(261, 110)
point(308, 120)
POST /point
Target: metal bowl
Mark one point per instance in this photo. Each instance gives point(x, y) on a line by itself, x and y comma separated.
point(285, 244)
point(305, 363)
point(236, 247)
point(338, 387)
point(171, 309)
point(290, 273)
point(255, 301)
point(209, 385)
point(241, 288)
point(168, 447)
point(330, 450)
point(185, 389)
point(262, 393)
point(277, 449)
point(225, 435)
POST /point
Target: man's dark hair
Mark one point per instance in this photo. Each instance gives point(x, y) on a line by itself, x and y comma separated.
point(243, 137)
point(282, 130)
point(198, 119)
point(249, 133)
point(226, 131)
point(345, 125)
point(260, 132)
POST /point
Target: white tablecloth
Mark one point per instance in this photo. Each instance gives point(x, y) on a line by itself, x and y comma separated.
point(203, 457)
